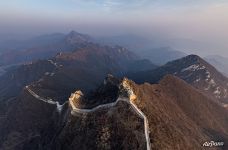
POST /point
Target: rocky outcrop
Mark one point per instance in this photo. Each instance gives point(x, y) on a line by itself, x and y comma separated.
point(76, 100)
point(127, 89)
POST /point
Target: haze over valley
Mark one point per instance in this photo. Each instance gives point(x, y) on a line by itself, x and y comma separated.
point(113, 75)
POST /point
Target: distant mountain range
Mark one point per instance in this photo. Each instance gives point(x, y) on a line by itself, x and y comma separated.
point(219, 62)
point(38, 41)
point(145, 48)
point(42, 47)
point(160, 56)
point(46, 46)
point(76, 93)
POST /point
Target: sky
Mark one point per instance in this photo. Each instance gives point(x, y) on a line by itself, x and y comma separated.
point(193, 26)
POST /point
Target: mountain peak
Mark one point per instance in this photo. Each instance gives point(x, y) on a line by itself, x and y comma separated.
point(189, 60)
point(194, 58)
point(73, 32)
point(76, 37)
point(76, 99)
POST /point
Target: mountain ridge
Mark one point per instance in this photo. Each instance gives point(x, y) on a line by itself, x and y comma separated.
point(195, 71)
point(166, 109)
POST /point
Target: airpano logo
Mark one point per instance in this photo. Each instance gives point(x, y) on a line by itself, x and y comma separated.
point(213, 144)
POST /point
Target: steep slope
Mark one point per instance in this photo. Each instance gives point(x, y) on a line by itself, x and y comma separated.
point(195, 71)
point(179, 116)
point(112, 118)
point(29, 124)
point(13, 81)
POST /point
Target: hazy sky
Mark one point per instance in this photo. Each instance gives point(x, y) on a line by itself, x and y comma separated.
point(199, 26)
